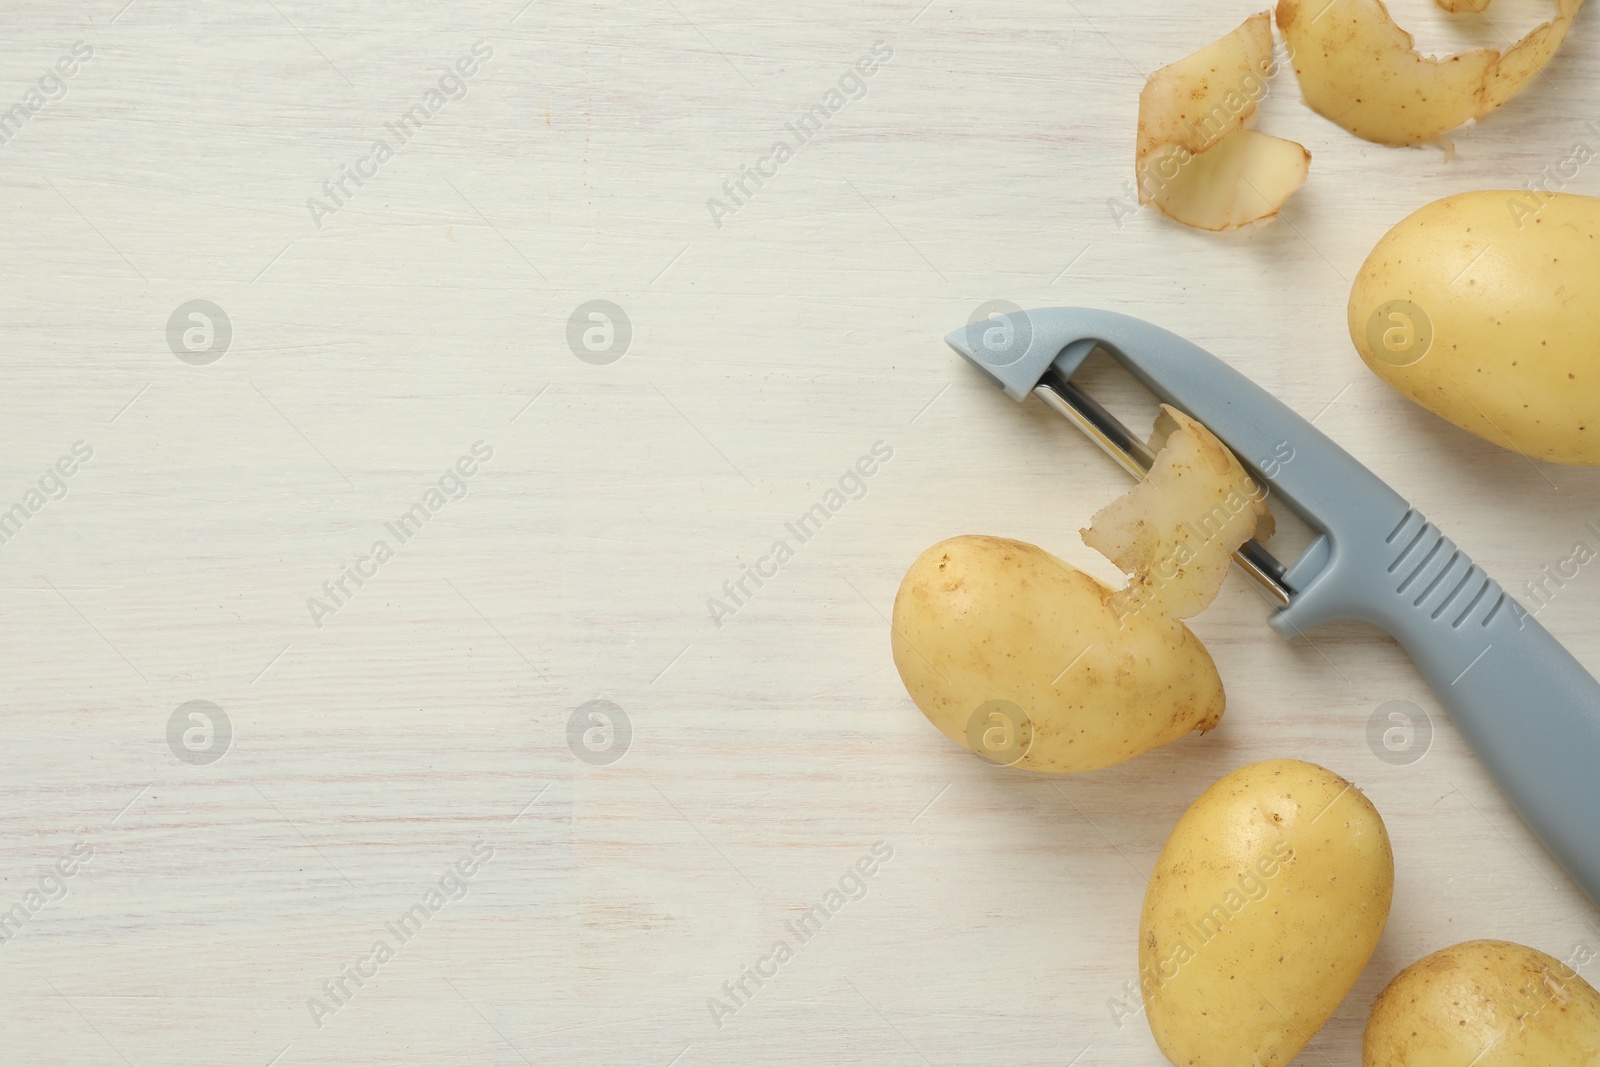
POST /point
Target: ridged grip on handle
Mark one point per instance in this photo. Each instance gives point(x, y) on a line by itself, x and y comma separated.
point(1529, 709)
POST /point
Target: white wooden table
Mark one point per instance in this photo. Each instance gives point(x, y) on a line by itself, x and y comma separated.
point(373, 743)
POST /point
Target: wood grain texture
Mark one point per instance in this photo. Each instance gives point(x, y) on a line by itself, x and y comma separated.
point(768, 754)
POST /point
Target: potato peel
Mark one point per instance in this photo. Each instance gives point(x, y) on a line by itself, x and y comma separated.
point(1175, 532)
point(1361, 70)
point(1195, 160)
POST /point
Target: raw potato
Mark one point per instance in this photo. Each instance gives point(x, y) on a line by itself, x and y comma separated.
point(1020, 657)
point(1265, 905)
point(1484, 308)
point(1485, 1004)
point(1175, 533)
point(1195, 160)
point(1361, 70)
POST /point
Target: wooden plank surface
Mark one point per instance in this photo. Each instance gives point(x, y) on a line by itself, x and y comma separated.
point(380, 335)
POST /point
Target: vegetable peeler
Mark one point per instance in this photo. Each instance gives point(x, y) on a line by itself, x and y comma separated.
point(1528, 708)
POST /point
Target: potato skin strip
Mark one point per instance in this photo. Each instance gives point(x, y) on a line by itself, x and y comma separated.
point(1361, 70)
point(1196, 161)
point(1174, 534)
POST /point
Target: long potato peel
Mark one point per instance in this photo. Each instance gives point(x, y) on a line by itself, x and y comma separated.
point(1360, 69)
point(1195, 160)
point(1175, 532)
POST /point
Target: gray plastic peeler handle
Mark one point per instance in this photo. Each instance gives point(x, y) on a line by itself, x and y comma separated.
point(1529, 709)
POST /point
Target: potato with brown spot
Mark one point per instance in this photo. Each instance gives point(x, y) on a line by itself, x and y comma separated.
point(1263, 909)
point(1023, 658)
point(1485, 1004)
point(1484, 308)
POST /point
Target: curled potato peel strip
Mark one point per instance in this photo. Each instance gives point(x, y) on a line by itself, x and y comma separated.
point(1174, 534)
point(1196, 160)
point(1361, 70)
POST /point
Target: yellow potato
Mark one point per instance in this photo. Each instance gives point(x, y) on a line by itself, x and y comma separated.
point(1485, 1004)
point(1023, 659)
point(1265, 905)
point(1484, 308)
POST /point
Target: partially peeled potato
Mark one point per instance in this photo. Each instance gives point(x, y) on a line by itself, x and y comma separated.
point(1029, 662)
